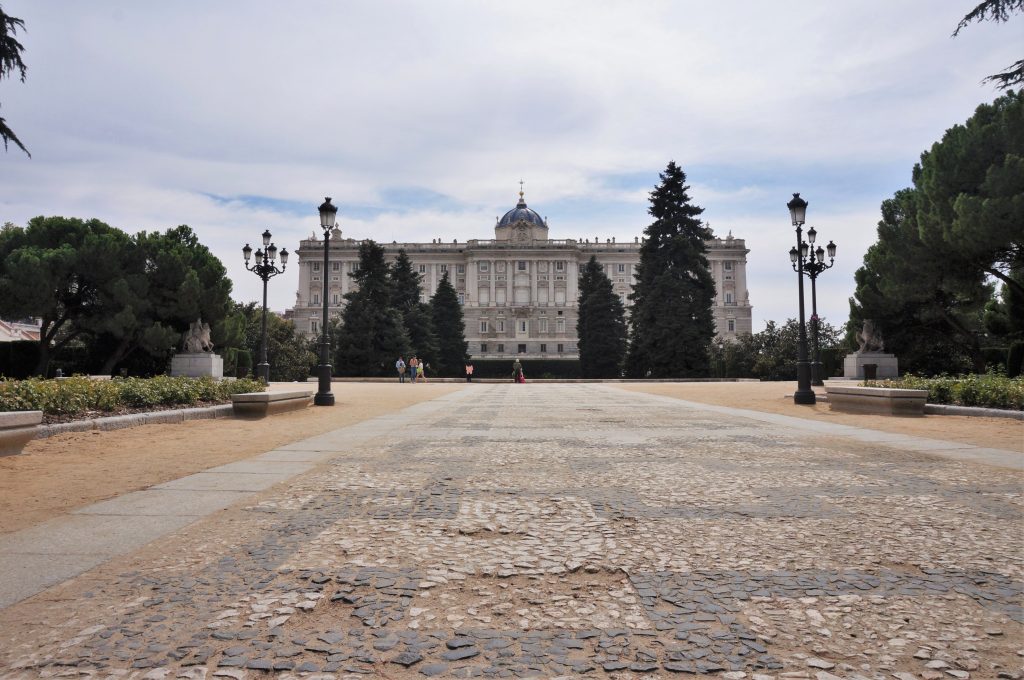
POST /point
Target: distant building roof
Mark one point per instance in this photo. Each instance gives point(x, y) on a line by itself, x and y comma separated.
point(12, 331)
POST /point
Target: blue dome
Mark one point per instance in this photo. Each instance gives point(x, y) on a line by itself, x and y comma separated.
point(521, 213)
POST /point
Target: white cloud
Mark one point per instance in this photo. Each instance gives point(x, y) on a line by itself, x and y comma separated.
point(137, 113)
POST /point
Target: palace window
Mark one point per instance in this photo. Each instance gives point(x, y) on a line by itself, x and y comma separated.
point(316, 266)
point(543, 325)
point(521, 265)
point(316, 298)
point(728, 265)
point(354, 266)
point(483, 266)
point(543, 348)
point(622, 269)
point(522, 326)
point(483, 346)
point(334, 299)
point(560, 266)
point(461, 269)
point(561, 348)
point(559, 325)
point(335, 266)
point(313, 326)
point(483, 326)
point(501, 326)
point(501, 348)
point(728, 298)
point(522, 349)
point(732, 326)
point(444, 268)
point(462, 298)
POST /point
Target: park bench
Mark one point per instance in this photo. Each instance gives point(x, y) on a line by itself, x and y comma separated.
point(888, 401)
point(260, 404)
point(17, 428)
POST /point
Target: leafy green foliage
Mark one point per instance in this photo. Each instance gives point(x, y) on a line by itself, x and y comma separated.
point(372, 333)
point(988, 390)
point(290, 356)
point(925, 282)
point(451, 330)
point(1015, 359)
point(672, 321)
point(417, 317)
point(998, 11)
point(601, 325)
point(78, 394)
point(10, 62)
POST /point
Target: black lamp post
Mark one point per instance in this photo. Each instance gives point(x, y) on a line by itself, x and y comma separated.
point(324, 396)
point(814, 264)
point(798, 213)
point(265, 269)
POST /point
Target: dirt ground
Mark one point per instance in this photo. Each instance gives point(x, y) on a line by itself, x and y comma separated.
point(777, 397)
point(67, 471)
point(64, 472)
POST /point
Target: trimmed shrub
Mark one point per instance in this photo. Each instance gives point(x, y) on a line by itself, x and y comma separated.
point(1015, 359)
point(78, 394)
point(989, 390)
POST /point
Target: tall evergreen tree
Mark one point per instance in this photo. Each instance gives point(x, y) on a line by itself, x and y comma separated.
point(450, 328)
point(671, 321)
point(372, 334)
point(417, 316)
point(601, 326)
point(11, 62)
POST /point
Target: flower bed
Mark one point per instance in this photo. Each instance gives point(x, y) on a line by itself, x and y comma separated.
point(990, 390)
point(70, 397)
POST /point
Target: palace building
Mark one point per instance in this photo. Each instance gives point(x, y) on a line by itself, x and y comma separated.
point(519, 289)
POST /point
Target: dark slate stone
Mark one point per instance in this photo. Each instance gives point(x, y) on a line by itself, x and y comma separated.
point(643, 667)
point(610, 666)
point(407, 659)
point(679, 667)
point(458, 642)
point(260, 665)
point(460, 654)
point(434, 669)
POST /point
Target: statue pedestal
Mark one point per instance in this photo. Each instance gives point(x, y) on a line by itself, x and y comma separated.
point(197, 365)
point(886, 365)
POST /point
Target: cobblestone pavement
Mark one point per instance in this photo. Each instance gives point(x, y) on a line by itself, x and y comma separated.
point(566, 530)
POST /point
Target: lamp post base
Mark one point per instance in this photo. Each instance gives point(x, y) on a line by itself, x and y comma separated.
point(816, 374)
point(324, 397)
point(804, 395)
point(263, 372)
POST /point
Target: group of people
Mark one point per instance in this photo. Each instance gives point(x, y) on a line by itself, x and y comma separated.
point(416, 369)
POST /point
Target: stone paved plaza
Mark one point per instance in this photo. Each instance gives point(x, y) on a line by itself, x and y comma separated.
point(562, 530)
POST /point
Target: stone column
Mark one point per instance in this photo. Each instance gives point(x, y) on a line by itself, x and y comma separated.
point(533, 281)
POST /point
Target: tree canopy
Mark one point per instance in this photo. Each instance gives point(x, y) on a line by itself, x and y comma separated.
point(372, 333)
point(926, 282)
point(601, 324)
point(450, 328)
point(417, 316)
point(998, 11)
point(86, 279)
point(11, 62)
point(671, 320)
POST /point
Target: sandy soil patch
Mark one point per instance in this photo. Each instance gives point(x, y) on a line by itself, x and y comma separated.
point(67, 471)
point(777, 397)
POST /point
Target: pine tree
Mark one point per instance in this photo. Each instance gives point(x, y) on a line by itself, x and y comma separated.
point(451, 331)
point(372, 334)
point(601, 326)
point(417, 316)
point(671, 321)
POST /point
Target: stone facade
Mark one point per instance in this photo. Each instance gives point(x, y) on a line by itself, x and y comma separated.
point(519, 290)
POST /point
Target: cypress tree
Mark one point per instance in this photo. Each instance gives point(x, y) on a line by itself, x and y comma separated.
point(672, 322)
point(451, 331)
point(417, 316)
point(372, 334)
point(601, 326)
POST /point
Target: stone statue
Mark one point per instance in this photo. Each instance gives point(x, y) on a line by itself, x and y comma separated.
point(197, 338)
point(869, 337)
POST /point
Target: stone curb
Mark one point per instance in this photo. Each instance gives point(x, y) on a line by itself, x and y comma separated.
point(948, 410)
point(135, 419)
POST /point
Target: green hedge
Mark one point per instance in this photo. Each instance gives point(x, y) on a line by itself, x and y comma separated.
point(78, 394)
point(991, 390)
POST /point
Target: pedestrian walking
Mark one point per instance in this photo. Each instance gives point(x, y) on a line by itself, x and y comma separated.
point(517, 371)
point(414, 365)
point(423, 371)
point(400, 367)
point(469, 372)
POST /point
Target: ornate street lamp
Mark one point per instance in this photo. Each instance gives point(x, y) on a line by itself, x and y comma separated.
point(813, 265)
point(798, 213)
point(324, 396)
point(265, 269)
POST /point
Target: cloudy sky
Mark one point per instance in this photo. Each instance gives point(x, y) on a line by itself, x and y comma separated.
point(420, 118)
